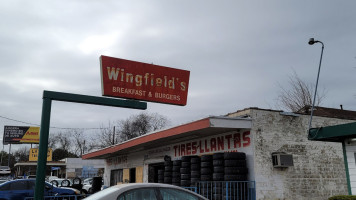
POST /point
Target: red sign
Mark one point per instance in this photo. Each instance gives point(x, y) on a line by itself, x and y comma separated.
point(142, 81)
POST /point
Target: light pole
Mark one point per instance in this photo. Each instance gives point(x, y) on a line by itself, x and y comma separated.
point(311, 42)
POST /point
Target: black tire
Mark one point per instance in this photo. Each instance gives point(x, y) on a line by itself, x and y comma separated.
point(167, 180)
point(218, 196)
point(218, 176)
point(206, 164)
point(234, 156)
point(235, 177)
point(206, 178)
point(160, 172)
point(177, 162)
point(175, 168)
point(235, 170)
point(195, 167)
point(168, 163)
point(176, 180)
point(184, 170)
point(176, 183)
point(219, 169)
point(195, 174)
point(218, 162)
point(185, 183)
point(185, 176)
point(168, 168)
point(175, 174)
point(77, 181)
point(160, 177)
point(218, 156)
point(186, 158)
point(235, 163)
point(167, 174)
point(54, 182)
point(206, 171)
point(185, 164)
point(206, 158)
point(195, 160)
point(65, 183)
point(194, 180)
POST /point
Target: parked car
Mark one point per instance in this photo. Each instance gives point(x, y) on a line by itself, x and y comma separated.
point(21, 188)
point(5, 170)
point(149, 191)
point(87, 185)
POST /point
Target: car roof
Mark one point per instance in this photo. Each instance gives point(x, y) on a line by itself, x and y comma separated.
point(113, 191)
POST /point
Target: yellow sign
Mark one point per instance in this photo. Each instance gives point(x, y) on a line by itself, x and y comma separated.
point(34, 154)
point(32, 135)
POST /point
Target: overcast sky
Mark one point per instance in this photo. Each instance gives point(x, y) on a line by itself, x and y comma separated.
point(237, 52)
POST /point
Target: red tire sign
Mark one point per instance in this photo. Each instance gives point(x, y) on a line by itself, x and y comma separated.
point(142, 81)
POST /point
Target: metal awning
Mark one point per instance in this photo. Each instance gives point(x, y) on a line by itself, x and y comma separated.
point(337, 133)
point(201, 128)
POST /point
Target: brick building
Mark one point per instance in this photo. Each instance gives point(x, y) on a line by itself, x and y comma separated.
point(311, 169)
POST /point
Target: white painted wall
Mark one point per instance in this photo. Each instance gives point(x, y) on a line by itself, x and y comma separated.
point(351, 162)
point(318, 172)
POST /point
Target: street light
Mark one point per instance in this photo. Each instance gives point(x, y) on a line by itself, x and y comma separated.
point(311, 42)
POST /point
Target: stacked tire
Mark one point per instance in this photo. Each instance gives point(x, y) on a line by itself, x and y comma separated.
point(218, 167)
point(206, 170)
point(195, 170)
point(168, 167)
point(176, 172)
point(235, 166)
point(235, 170)
point(185, 171)
point(218, 175)
point(160, 178)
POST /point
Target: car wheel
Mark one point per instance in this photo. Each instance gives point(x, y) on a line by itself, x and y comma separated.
point(90, 191)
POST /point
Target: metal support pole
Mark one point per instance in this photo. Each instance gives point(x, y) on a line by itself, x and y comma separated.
point(43, 146)
point(316, 86)
point(9, 156)
point(346, 168)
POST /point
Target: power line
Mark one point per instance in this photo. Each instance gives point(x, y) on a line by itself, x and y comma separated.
point(50, 127)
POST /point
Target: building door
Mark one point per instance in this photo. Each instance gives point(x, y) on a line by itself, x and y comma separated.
point(153, 172)
point(132, 175)
point(116, 177)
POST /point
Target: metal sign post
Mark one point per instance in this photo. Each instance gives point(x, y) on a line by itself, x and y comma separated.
point(48, 96)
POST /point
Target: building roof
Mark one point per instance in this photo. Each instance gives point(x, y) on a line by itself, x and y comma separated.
point(201, 128)
point(329, 112)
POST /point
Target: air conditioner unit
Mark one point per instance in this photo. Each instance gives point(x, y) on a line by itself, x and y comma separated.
point(282, 159)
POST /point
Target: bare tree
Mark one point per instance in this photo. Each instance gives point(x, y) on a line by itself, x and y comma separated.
point(80, 142)
point(104, 138)
point(141, 124)
point(298, 94)
point(63, 140)
point(22, 154)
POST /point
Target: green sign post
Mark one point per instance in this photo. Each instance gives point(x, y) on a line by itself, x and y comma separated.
point(48, 96)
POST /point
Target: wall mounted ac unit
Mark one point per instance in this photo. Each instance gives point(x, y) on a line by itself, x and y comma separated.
point(282, 159)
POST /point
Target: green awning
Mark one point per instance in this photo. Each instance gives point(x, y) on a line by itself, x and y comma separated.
point(336, 133)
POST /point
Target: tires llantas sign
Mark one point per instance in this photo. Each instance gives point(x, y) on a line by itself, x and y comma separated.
point(21, 134)
point(142, 81)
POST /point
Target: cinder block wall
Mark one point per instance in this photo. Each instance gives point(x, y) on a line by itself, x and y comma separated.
point(318, 171)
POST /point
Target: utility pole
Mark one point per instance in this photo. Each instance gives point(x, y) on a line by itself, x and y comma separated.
point(113, 136)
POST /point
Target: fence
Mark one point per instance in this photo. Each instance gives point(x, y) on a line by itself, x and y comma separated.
point(226, 190)
point(60, 197)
